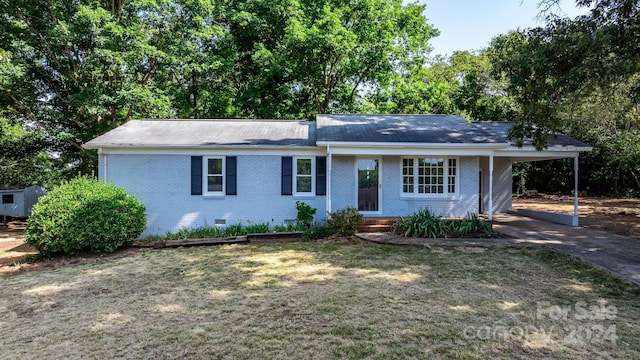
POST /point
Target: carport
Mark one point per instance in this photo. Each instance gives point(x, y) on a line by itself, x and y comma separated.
point(496, 175)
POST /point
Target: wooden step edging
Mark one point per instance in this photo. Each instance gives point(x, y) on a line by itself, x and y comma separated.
point(260, 238)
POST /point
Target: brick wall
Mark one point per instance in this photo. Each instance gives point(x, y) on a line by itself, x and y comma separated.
point(392, 203)
point(163, 183)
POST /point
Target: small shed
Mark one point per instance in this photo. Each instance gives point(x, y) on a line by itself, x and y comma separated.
point(17, 201)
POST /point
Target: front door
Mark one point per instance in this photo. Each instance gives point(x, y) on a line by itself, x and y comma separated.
point(369, 185)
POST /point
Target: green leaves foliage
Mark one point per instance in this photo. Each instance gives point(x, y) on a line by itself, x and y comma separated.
point(305, 213)
point(423, 223)
point(84, 215)
point(345, 221)
point(75, 70)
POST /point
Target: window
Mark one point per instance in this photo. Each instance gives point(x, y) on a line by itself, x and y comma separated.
point(407, 175)
point(7, 198)
point(214, 168)
point(304, 169)
point(429, 176)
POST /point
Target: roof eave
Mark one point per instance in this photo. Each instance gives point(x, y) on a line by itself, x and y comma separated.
point(394, 145)
point(92, 146)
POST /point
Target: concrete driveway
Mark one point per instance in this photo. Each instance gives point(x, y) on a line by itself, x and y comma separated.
point(614, 253)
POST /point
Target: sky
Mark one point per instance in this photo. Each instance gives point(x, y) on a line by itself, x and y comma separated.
point(471, 24)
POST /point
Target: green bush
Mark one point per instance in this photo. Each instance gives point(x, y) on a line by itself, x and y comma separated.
point(344, 221)
point(305, 213)
point(425, 224)
point(316, 231)
point(421, 224)
point(84, 215)
point(471, 224)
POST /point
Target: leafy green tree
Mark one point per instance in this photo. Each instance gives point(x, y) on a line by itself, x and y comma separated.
point(581, 77)
point(22, 159)
point(73, 70)
point(81, 68)
point(550, 67)
point(299, 58)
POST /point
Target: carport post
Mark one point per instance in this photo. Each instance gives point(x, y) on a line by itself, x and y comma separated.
point(574, 222)
point(490, 214)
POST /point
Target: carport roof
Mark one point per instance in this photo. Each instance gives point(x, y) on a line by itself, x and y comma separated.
point(500, 130)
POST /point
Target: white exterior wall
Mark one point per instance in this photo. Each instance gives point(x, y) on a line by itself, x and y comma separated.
point(502, 184)
point(163, 184)
point(392, 201)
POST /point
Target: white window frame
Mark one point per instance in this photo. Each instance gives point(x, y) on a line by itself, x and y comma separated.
point(205, 174)
point(445, 175)
point(312, 176)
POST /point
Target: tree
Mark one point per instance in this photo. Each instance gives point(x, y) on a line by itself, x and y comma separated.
point(300, 58)
point(73, 70)
point(82, 69)
point(566, 60)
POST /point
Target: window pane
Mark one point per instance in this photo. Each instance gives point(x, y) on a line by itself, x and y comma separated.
point(304, 167)
point(303, 184)
point(214, 167)
point(214, 183)
point(451, 179)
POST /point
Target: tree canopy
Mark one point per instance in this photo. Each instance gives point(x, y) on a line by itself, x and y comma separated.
point(72, 70)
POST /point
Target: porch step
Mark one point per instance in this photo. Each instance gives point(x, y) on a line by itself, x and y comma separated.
point(376, 224)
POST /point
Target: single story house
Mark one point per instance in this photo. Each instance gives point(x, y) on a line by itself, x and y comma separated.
point(17, 201)
point(203, 172)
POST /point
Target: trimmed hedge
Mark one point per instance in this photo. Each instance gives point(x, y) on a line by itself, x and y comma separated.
point(84, 215)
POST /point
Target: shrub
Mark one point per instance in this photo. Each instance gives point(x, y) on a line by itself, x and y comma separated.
point(84, 214)
point(316, 231)
point(471, 224)
point(421, 224)
point(305, 213)
point(424, 224)
point(344, 221)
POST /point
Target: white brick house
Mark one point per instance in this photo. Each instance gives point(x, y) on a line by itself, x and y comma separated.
point(195, 172)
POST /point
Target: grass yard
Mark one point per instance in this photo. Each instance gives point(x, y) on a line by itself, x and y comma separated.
point(316, 300)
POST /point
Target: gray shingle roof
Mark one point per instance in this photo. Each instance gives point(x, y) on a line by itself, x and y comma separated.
point(422, 129)
point(426, 129)
point(207, 133)
point(501, 131)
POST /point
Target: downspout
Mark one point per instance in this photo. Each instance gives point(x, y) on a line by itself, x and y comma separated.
point(329, 165)
point(103, 158)
point(574, 221)
point(490, 212)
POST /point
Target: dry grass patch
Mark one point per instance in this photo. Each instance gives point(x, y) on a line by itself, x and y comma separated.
point(313, 300)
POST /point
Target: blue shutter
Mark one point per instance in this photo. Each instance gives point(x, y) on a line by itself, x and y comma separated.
point(287, 175)
point(232, 175)
point(321, 175)
point(196, 175)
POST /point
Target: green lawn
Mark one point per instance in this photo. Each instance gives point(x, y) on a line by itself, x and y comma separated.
point(321, 300)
